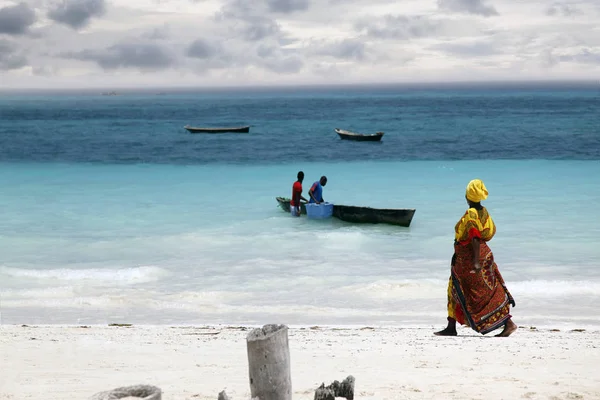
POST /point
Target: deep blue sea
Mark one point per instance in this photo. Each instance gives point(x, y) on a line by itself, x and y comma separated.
point(111, 212)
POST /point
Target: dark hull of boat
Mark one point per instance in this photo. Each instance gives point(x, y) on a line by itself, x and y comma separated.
point(368, 215)
point(240, 129)
point(359, 137)
point(363, 215)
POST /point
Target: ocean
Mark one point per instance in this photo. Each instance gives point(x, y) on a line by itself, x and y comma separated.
point(110, 212)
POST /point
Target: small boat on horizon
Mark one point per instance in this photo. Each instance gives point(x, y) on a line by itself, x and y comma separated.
point(236, 129)
point(368, 215)
point(359, 137)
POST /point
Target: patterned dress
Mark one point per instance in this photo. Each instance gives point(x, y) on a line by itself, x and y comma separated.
point(479, 300)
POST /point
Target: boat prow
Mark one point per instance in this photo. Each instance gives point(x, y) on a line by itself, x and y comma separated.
point(284, 203)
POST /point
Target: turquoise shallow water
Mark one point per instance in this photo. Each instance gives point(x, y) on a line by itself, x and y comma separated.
point(155, 243)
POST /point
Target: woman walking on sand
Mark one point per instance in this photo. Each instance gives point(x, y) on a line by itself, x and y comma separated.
point(477, 295)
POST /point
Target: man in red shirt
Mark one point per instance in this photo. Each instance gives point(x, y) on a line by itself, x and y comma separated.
point(297, 195)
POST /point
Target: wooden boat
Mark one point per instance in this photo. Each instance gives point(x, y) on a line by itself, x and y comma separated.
point(238, 129)
point(360, 137)
point(353, 214)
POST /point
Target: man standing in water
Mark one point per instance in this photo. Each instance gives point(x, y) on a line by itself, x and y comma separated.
point(297, 195)
point(316, 190)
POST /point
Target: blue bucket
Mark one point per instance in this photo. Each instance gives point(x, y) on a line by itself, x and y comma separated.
point(319, 211)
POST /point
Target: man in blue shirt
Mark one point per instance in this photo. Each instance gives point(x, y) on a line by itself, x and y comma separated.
point(316, 191)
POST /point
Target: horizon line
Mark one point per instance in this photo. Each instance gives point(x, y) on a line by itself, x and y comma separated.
point(417, 84)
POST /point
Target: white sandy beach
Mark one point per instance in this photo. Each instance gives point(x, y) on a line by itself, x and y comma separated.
point(195, 363)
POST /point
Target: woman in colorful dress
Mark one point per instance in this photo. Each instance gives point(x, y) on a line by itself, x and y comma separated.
point(477, 295)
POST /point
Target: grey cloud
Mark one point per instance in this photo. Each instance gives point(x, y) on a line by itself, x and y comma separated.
point(476, 7)
point(546, 58)
point(284, 65)
point(272, 56)
point(326, 70)
point(16, 20)
point(200, 48)
point(10, 58)
point(144, 56)
point(210, 55)
point(77, 13)
point(248, 22)
point(44, 70)
point(288, 6)
point(260, 28)
point(234, 9)
point(566, 10)
point(347, 49)
point(398, 27)
point(474, 49)
point(264, 51)
point(243, 9)
point(158, 33)
point(583, 57)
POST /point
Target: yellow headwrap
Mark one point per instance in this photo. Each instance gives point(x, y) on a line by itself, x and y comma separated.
point(476, 191)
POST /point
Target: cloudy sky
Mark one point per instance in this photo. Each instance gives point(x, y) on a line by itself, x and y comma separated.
point(116, 43)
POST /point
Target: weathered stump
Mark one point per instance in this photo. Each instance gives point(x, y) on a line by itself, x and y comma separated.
point(336, 389)
point(269, 363)
point(142, 392)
